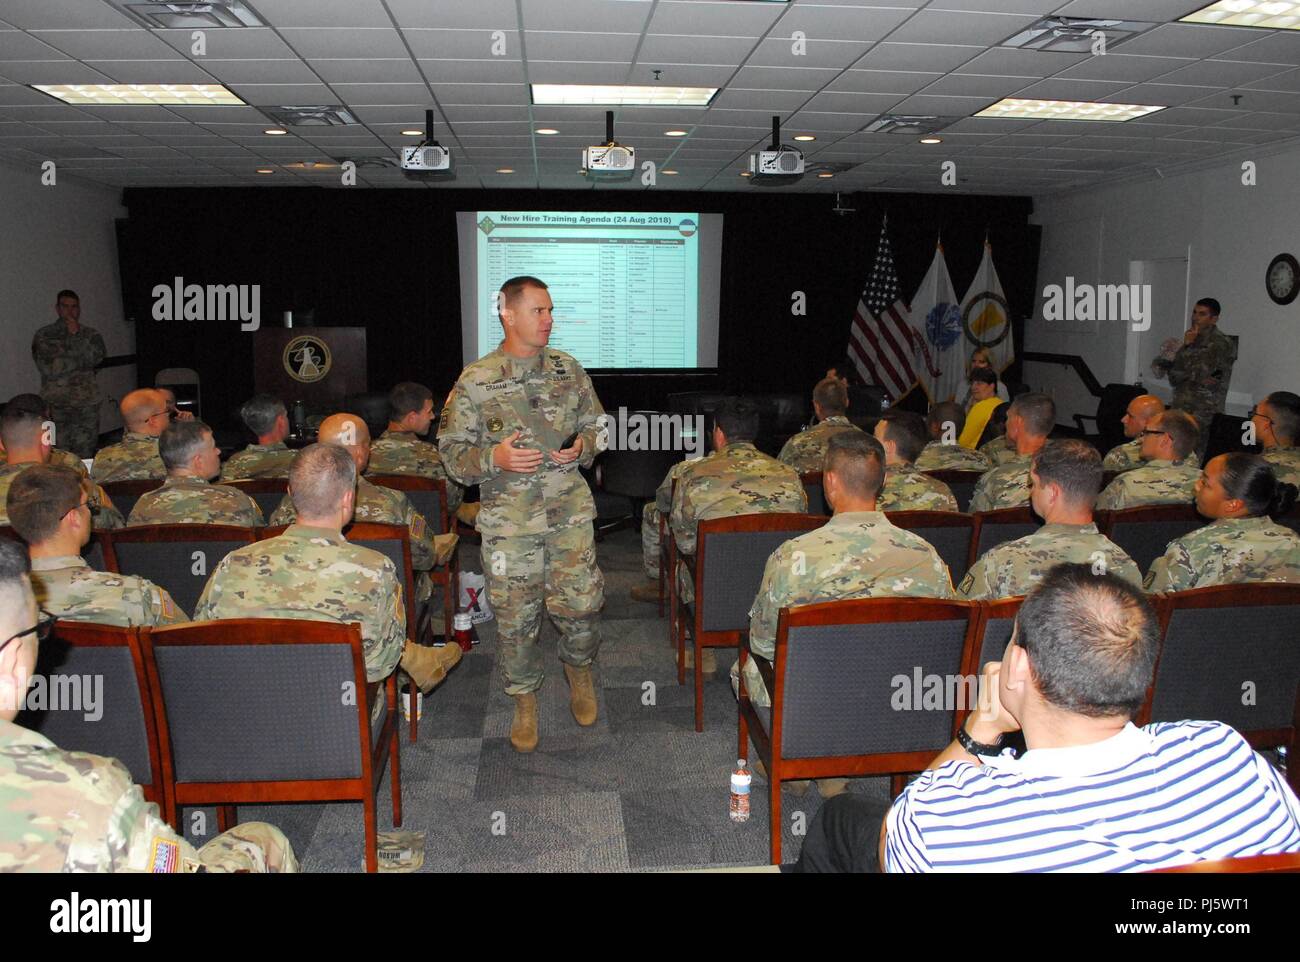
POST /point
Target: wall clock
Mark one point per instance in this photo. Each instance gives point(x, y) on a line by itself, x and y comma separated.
point(1282, 279)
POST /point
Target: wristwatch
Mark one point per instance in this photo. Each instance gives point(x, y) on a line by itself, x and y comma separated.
point(974, 747)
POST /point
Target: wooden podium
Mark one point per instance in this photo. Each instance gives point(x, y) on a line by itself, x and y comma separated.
point(316, 365)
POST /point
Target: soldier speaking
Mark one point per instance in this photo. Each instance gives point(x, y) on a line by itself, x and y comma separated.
point(518, 423)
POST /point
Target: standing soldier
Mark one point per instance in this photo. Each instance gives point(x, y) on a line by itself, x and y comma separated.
point(518, 424)
point(67, 353)
point(1200, 368)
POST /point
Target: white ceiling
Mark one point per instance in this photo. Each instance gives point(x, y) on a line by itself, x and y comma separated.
point(388, 60)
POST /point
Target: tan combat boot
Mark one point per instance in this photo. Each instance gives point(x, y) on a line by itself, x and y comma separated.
point(523, 730)
point(429, 666)
point(647, 591)
point(582, 695)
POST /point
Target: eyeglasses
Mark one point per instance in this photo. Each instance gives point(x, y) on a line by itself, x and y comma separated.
point(41, 629)
point(1153, 431)
point(1257, 413)
point(93, 506)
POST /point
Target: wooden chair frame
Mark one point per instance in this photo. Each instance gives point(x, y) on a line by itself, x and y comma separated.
point(852, 612)
point(227, 795)
point(1254, 864)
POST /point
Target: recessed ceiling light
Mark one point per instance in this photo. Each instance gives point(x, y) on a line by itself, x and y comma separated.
point(176, 95)
point(668, 173)
point(412, 133)
point(804, 137)
point(1066, 110)
point(931, 140)
point(275, 131)
point(674, 133)
point(745, 173)
point(505, 170)
point(825, 174)
point(265, 170)
point(621, 95)
point(311, 165)
point(546, 131)
point(1249, 13)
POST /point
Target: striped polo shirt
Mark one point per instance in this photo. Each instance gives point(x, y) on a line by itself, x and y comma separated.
point(1146, 798)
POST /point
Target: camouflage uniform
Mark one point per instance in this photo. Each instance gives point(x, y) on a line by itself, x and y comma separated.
point(937, 456)
point(1012, 569)
point(71, 589)
point(1127, 456)
point(1191, 367)
point(134, 458)
point(314, 575)
point(1228, 551)
point(106, 518)
point(195, 501)
point(67, 364)
point(1006, 486)
point(77, 812)
point(857, 554)
point(61, 459)
point(737, 480)
point(999, 451)
point(538, 544)
point(404, 452)
point(1158, 482)
point(652, 512)
point(259, 461)
point(1286, 463)
point(806, 451)
point(907, 489)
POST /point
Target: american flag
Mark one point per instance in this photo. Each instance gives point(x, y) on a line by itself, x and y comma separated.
point(882, 344)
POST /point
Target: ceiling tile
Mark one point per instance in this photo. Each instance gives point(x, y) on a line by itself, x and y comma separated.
point(625, 16)
point(382, 94)
point(1009, 62)
point(472, 71)
point(560, 45)
point(422, 13)
point(502, 94)
point(369, 70)
point(975, 85)
point(716, 19)
point(463, 44)
point(152, 71)
point(882, 81)
point(1188, 40)
point(782, 78)
point(1118, 66)
point(109, 44)
point(866, 105)
point(15, 45)
point(50, 72)
point(934, 26)
point(260, 71)
point(1288, 80)
point(738, 98)
point(1168, 95)
point(63, 15)
point(1282, 47)
point(1221, 73)
point(729, 51)
point(244, 43)
point(814, 53)
point(323, 13)
point(314, 42)
point(838, 23)
point(284, 95)
point(562, 72)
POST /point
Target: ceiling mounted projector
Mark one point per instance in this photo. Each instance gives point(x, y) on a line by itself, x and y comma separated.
point(778, 163)
point(610, 161)
point(427, 160)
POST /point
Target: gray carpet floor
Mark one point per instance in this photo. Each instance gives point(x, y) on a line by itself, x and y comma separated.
point(640, 790)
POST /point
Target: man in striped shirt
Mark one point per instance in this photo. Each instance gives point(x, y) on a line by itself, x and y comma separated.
point(1093, 792)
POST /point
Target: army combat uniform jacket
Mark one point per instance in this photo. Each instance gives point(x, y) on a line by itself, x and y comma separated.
point(69, 588)
point(1286, 464)
point(134, 458)
point(404, 452)
point(1006, 486)
point(1156, 482)
point(1209, 357)
point(547, 398)
point(195, 501)
point(105, 517)
point(907, 489)
point(1228, 551)
point(1012, 569)
point(259, 461)
point(937, 456)
point(806, 451)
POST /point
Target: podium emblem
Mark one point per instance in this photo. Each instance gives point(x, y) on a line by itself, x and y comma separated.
point(307, 359)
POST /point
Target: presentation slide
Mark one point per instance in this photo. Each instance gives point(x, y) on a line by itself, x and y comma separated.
point(632, 289)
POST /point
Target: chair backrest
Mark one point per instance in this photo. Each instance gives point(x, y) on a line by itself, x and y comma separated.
point(124, 494)
point(812, 487)
point(730, 556)
point(178, 557)
point(993, 528)
point(851, 675)
point(1229, 654)
point(250, 699)
point(1291, 520)
point(962, 484)
point(947, 532)
point(393, 541)
point(1145, 532)
point(428, 496)
point(96, 698)
point(267, 492)
point(636, 474)
point(1111, 405)
point(997, 619)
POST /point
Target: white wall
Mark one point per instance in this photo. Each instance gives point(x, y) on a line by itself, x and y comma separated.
point(52, 238)
point(1229, 233)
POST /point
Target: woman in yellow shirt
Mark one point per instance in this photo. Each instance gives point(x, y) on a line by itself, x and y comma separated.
point(983, 391)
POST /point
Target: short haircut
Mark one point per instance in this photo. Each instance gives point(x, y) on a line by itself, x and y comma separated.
point(512, 288)
point(1038, 411)
point(858, 461)
point(1251, 479)
point(1072, 464)
point(946, 412)
point(907, 430)
point(14, 563)
point(260, 412)
point(39, 498)
point(1211, 303)
point(1183, 431)
point(1286, 415)
point(983, 375)
point(407, 398)
point(831, 395)
point(180, 441)
point(33, 403)
point(1091, 641)
point(66, 292)
point(319, 477)
point(738, 420)
point(21, 428)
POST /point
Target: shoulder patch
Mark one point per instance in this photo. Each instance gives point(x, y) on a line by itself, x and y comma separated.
point(164, 856)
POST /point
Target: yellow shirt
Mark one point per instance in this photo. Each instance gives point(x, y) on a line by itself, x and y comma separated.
point(976, 420)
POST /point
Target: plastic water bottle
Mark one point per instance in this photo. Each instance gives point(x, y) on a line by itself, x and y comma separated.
point(740, 781)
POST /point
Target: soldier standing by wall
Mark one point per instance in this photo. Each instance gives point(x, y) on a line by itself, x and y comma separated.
point(66, 353)
point(1200, 368)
